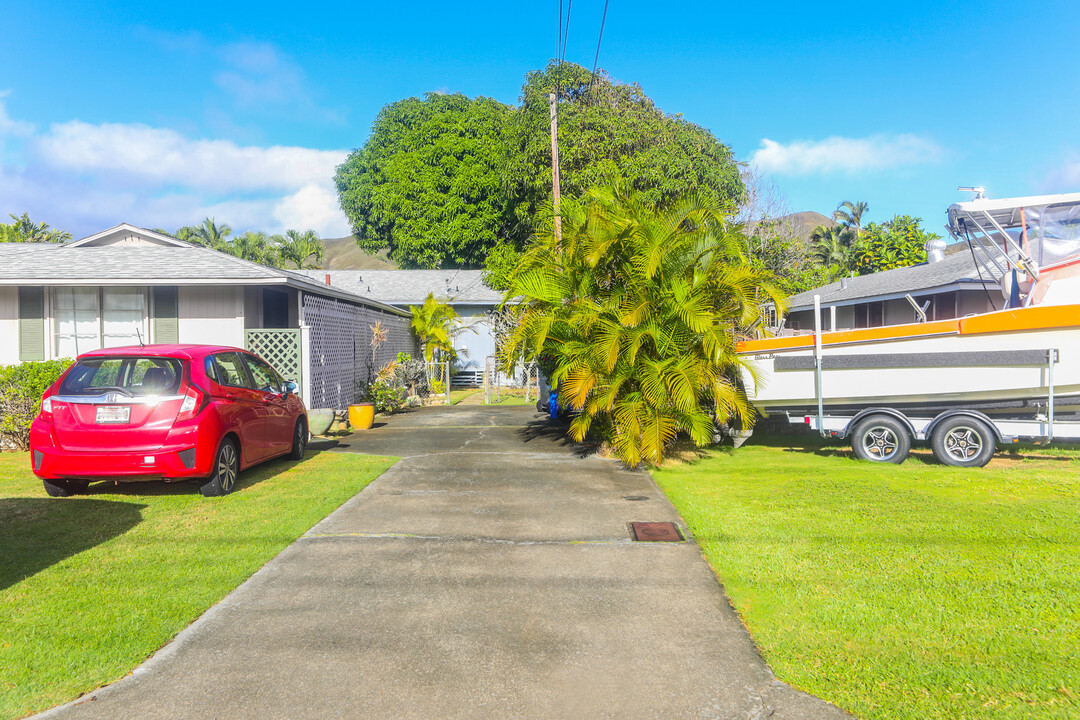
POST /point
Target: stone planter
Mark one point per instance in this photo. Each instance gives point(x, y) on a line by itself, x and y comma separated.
point(319, 420)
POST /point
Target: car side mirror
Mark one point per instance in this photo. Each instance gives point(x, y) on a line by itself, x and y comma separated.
point(289, 388)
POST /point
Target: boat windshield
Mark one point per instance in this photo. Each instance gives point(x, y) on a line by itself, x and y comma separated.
point(1053, 233)
point(1022, 233)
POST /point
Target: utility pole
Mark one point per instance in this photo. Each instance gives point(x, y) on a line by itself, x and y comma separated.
point(555, 165)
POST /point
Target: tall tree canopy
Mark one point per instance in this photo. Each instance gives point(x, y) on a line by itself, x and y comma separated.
point(441, 180)
point(610, 131)
point(426, 185)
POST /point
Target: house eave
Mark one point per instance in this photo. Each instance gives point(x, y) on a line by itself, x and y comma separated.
point(315, 288)
point(975, 285)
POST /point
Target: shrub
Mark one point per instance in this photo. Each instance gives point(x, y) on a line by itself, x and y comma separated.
point(21, 388)
point(387, 396)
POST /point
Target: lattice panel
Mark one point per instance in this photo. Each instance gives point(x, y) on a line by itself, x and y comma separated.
point(280, 348)
point(341, 357)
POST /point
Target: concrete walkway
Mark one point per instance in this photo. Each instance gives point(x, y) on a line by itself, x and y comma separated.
point(489, 574)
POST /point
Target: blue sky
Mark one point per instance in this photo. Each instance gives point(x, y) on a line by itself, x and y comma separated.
point(160, 114)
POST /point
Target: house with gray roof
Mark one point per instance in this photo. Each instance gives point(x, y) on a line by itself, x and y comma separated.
point(950, 285)
point(128, 285)
point(464, 290)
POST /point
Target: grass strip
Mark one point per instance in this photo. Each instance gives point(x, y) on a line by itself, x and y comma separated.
point(90, 586)
point(903, 592)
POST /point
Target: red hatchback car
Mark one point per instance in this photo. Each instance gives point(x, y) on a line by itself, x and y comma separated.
point(169, 412)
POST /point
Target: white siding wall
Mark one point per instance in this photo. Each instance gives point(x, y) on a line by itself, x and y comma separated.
point(211, 315)
point(9, 325)
point(476, 345)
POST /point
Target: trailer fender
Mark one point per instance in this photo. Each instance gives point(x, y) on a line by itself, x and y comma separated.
point(878, 411)
point(968, 413)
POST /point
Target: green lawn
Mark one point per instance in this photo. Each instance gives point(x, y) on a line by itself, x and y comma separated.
point(460, 394)
point(915, 591)
point(92, 585)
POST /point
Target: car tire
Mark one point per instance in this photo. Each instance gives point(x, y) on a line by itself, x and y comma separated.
point(299, 442)
point(881, 438)
point(65, 488)
point(963, 441)
point(222, 480)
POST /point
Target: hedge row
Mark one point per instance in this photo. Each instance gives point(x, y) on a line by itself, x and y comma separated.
point(21, 388)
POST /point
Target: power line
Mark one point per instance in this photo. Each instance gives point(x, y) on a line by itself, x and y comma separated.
point(566, 29)
point(564, 32)
point(596, 58)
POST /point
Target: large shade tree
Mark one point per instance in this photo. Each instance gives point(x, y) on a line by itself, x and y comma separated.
point(607, 129)
point(636, 313)
point(442, 180)
point(426, 184)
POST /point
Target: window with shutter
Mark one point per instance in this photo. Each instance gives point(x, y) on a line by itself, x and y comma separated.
point(166, 324)
point(31, 323)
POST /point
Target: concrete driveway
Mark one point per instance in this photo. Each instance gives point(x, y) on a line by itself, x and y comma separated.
point(489, 574)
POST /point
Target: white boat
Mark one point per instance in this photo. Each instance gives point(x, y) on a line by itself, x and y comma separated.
point(1011, 371)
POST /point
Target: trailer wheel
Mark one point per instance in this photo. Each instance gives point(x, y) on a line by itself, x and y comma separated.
point(963, 442)
point(881, 438)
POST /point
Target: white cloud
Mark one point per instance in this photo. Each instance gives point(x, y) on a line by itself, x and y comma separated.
point(165, 157)
point(840, 154)
point(313, 206)
point(256, 73)
point(1066, 177)
point(9, 126)
point(84, 177)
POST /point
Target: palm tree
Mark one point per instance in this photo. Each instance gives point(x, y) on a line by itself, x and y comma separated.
point(636, 312)
point(834, 247)
point(23, 229)
point(302, 249)
point(435, 324)
point(208, 234)
point(253, 246)
point(850, 215)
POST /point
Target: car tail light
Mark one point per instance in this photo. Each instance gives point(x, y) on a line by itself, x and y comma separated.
point(194, 402)
point(46, 407)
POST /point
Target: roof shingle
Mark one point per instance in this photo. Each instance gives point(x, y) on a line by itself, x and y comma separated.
point(958, 267)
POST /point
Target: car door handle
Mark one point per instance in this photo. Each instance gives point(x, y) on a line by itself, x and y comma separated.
point(230, 396)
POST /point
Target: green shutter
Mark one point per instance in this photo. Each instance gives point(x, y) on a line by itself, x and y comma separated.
point(31, 323)
point(166, 326)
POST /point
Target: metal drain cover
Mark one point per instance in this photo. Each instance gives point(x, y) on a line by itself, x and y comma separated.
point(635, 498)
point(656, 532)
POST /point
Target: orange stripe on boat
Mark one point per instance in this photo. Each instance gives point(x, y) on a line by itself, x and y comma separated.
point(1031, 318)
point(843, 337)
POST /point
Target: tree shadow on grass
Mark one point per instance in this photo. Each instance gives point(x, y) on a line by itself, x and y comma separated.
point(36, 533)
point(248, 478)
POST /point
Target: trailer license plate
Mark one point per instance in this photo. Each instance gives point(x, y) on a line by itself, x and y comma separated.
point(113, 413)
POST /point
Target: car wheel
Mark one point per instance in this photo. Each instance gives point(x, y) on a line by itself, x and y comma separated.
point(299, 442)
point(65, 488)
point(881, 438)
point(963, 442)
point(222, 480)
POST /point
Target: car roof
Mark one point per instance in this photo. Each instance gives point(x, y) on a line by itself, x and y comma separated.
point(188, 352)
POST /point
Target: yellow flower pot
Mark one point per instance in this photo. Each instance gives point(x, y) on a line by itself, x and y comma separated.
point(362, 416)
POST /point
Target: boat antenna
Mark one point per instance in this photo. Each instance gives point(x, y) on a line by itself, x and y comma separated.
point(980, 192)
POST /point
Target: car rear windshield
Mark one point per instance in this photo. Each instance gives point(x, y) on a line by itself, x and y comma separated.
point(131, 376)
